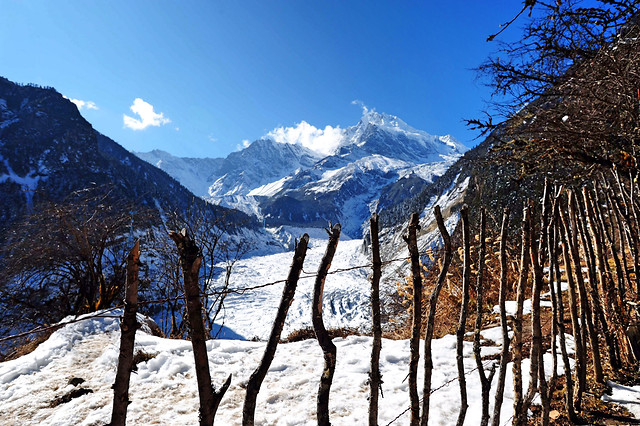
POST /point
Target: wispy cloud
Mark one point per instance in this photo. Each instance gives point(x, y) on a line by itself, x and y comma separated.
point(148, 117)
point(361, 104)
point(83, 104)
point(324, 141)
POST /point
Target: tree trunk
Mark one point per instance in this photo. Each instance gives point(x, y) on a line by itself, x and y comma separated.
point(256, 379)
point(328, 348)
point(466, 276)
point(416, 278)
point(433, 301)
point(504, 356)
point(190, 261)
point(375, 379)
point(128, 328)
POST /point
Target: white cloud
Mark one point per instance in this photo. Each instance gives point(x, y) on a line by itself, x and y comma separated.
point(148, 117)
point(245, 143)
point(324, 141)
point(83, 104)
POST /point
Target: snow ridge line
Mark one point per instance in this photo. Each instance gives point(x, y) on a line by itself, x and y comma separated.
point(239, 291)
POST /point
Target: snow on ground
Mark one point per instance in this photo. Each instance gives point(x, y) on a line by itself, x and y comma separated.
point(164, 391)
point(627, 396)
point(346, 294)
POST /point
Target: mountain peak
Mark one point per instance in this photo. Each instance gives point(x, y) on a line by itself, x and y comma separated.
point(381, 119)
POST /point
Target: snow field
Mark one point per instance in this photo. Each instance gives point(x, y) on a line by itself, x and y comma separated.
point(346, 294)
point(163, 390)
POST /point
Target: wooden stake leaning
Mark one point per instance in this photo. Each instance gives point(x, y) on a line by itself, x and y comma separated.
point(433, 301)
point(257, 377)
point(328, 348)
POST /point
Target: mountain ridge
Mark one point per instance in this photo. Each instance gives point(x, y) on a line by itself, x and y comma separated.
point(291, 184)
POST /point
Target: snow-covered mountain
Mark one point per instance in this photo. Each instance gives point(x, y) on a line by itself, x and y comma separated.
point(290, 184)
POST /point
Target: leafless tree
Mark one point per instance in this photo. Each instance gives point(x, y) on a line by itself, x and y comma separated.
point(66, 257)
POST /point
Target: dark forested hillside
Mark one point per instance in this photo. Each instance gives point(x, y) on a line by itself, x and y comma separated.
point(48, 150)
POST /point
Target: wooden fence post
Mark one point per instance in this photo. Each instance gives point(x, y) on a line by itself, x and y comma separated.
point(257, 377)
point(466, 276)
point(328, 348)
point(485, 382)
point(128, 328)
point(519, 411)
point(581, 377)
point(433, 301)
point(586, 312)
point(190, 261)
point(504, 356)
point(537, 378)
point(560, 317)
point(606, 284)
point(416, 274)
point(597, 302)
point(375, 380)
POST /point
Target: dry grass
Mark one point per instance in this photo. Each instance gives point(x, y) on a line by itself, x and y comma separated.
point(308, 333)
point(448, 307)
point(27, 346)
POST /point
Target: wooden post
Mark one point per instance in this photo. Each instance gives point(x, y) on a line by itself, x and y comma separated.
point(256, 379)
point(608, 232)
point(596, 301)
point(626, 201)
point(618, 223)
point(485, 382)
point(563, 344)
point(537, 377)
point(328, 348)
point(128, 328)
point(433, 301)
point(504, 356)
point(190, 261)
point(608, 290)
point(519, 411)
point(581, 377)
point(416, 275)
point(375, 379)
point(586, 313)
point(552, 254)
point(466, 276)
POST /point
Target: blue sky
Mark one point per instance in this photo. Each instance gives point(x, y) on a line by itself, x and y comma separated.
point(197, 78)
